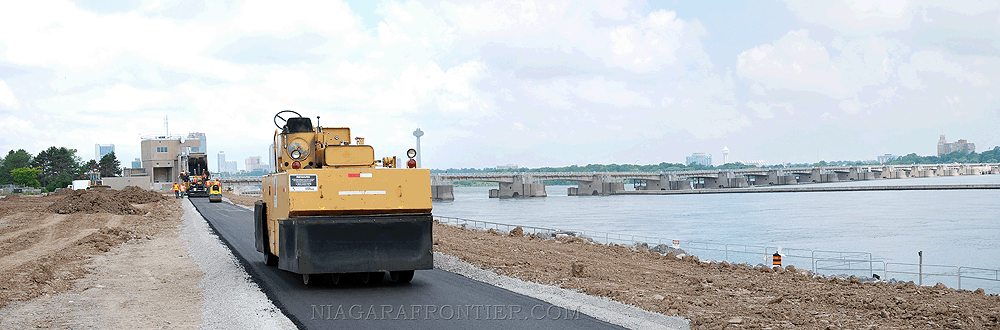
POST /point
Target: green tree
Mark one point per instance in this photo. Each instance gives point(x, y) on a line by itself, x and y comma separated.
point(109, 165)
point(86, 168)
point(26, 176)
point(58, 165)
point(14, 160)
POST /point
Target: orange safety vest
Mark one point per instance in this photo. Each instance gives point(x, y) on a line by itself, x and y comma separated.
point(176, 187)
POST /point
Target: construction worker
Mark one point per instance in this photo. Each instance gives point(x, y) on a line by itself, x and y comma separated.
point(177, 191)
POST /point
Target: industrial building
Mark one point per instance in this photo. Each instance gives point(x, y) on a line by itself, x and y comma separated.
point(164, 157)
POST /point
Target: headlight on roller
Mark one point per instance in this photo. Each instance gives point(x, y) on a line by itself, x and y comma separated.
point(296, 154)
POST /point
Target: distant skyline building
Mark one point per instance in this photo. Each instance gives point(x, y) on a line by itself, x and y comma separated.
point(253, 163)
point(201, 146)
point(137, 163)
point(944, 148)
point(102, 149)
point(700, 158)
point(886, 158)
point(220, 164)
point(725, 155)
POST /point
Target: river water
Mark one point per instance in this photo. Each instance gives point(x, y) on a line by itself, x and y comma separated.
point(951, 227)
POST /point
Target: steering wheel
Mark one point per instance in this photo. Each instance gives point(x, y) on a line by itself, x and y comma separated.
point(283, 120)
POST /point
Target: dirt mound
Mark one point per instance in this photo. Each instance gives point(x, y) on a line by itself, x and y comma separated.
point(61, 192)
point(93, 201)
point(136, 195)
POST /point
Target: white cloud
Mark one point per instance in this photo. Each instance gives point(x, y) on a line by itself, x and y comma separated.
point(794, 63)
point(765, 110)
point(935, 62)
point(558, 72)
point(330, 17)
point(7, 99)
point(64, 35)
point(126, 98)
point(446, 90)
point(857, 16)
point(12, 126)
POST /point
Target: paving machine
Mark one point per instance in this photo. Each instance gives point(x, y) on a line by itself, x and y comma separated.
point(332, 210)
point(196, 179)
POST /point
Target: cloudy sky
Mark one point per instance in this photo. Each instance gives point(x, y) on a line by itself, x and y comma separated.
point(546, 83)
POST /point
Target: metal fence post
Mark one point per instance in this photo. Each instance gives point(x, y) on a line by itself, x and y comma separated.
point(921, 254)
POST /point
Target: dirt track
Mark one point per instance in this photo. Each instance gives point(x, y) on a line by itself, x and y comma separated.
point(51, 245)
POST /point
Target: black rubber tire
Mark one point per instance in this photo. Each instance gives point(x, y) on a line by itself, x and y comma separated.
point(270, 259)
point(362, 278)
point(333, 279)
point(403, 276)
point(375, 278)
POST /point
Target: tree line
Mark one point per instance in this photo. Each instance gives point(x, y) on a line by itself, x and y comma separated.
point(989, 156)
point(53, 168)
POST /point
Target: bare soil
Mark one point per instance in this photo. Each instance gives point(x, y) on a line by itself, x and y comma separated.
point(52, 246)
point(715, 295)
point(720, 295)
point(241, 199)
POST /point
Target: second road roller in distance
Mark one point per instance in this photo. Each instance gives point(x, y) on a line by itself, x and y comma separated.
point(332, 210)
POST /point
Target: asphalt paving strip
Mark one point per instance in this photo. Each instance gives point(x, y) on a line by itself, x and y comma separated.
point(435, 299)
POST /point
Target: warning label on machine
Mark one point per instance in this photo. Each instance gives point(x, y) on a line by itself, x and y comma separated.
point(303, 182)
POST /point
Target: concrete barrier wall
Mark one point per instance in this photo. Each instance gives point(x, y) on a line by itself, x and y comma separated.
point(119, 183)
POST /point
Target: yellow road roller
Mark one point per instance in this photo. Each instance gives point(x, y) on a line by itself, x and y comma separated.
point(332, 210)
point(215, 192)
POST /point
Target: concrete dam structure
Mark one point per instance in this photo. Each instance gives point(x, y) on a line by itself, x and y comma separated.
point(530, 184)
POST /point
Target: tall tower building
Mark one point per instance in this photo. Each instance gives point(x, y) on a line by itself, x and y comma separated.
point(725, 155)
point(102, 149)
point(418, 133)
point(221, 163)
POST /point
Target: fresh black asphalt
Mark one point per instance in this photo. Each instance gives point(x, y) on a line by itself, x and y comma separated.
point(435, 299)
